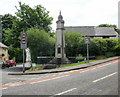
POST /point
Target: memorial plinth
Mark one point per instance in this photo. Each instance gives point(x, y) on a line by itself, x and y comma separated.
point(60, 56)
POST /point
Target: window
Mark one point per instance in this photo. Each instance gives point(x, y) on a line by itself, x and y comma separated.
point(105, 36)
point(59, 50)
point(91, 36)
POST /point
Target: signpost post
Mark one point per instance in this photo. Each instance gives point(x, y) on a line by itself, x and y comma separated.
point(23, 46)
point(87, 41)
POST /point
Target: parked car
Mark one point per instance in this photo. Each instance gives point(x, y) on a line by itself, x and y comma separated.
point(10, 63)
point(7, 63)
point(3, 64)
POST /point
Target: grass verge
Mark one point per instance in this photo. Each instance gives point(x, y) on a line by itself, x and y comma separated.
point(37, 67)
point(74, 64)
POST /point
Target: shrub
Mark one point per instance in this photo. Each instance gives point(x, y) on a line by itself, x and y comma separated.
point(49, 66)
point(98, 47)
point(40, 43)
point(79, 57)
point(109, 54)
point(100, 57)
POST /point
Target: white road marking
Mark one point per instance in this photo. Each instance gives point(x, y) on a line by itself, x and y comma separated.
point(66, 91)
point(49, 79)
point(105, 77)
point(4, 88)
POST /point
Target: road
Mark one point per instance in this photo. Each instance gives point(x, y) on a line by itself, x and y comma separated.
point(97, 80)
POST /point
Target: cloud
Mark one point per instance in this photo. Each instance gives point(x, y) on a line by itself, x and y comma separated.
point(75, 12)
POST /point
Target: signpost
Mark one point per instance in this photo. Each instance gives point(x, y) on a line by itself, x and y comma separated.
point(23, 46)
point(87, 41)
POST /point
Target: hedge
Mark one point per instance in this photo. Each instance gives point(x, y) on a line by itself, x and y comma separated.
point(98, 47)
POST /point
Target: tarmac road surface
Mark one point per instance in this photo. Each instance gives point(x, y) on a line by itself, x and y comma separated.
point(97, 80)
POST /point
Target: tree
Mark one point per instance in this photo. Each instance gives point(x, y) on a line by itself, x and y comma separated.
point(7, 21)
point(107, 25)
point(37, 17)
point(40, 43)
point(73, 43)
point(7, 24)
point(26, 18)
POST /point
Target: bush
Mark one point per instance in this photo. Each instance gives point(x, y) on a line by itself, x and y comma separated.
point(79, 57)
point(109, 54)
point(40, 43)
point(49, 66)
point(100, 57)
point(37, 67)
point(15, 53)
point(98, 47)
point(105, 47)
point(73, 42)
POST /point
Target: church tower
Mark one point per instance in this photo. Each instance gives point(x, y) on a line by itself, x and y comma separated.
point(60, 38)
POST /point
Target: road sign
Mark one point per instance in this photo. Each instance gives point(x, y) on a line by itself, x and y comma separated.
point(23, 40)
point(87, 40)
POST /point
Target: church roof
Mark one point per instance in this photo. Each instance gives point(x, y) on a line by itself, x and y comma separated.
point(92, 30)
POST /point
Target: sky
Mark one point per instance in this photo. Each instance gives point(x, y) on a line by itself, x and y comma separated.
point(74, 12)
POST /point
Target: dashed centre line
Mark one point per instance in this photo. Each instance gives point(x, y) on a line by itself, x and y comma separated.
point(105, 77)
point(66, 91)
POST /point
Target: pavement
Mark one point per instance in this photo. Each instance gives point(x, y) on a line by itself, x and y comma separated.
point(64, 69)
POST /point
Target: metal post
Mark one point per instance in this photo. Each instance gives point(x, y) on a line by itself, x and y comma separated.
point(88, 52)
point(0, 30)
point(23, 62)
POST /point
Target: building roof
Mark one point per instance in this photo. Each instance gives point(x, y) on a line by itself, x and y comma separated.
point(92, 30)
point(105, 31)
point(3, 45)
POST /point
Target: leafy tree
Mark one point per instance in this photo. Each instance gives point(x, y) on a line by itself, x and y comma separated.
point(37, 17)
point(40, 43)
point(73, 43)
point(7, 24)
point(107, 25)
point(26, 17)
point(7, 21)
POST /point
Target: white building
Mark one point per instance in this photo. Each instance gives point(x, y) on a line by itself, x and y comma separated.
point(3, 52)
